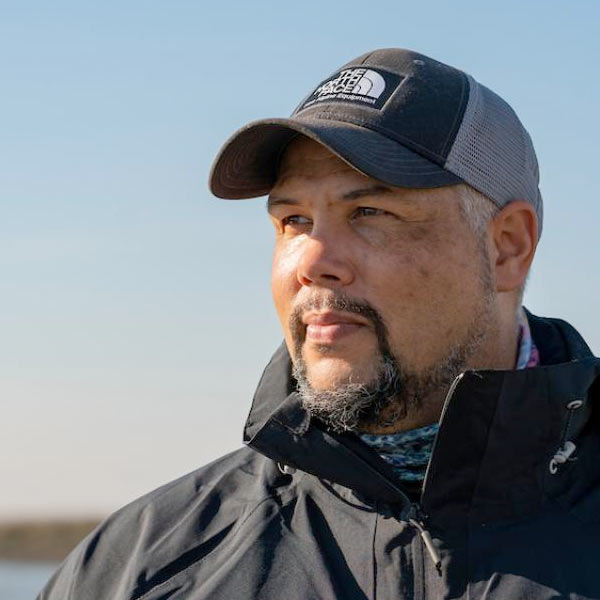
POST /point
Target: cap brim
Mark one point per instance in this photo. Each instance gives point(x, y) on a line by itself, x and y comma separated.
point(247, 164)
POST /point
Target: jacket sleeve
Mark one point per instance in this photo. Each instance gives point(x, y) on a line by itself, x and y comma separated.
point(156, 535)
point(63, 584)
point(92, 571)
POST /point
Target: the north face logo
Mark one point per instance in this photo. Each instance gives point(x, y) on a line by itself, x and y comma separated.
point(357, 85)
point(354, 81)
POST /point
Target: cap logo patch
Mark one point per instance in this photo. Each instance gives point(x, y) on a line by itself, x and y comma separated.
point(359, 85)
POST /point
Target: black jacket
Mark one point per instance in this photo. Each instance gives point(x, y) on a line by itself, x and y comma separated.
point(504, 511)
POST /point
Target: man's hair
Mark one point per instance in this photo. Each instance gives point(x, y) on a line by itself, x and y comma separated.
point(478, 210)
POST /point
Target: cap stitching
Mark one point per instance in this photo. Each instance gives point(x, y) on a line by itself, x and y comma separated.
point(461, 111)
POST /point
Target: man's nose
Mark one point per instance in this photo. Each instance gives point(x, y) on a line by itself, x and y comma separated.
point(324, 261)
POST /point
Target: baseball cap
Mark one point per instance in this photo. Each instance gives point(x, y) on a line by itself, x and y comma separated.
point(402, 118)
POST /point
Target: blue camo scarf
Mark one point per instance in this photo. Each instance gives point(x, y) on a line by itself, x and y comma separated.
point(408, 451)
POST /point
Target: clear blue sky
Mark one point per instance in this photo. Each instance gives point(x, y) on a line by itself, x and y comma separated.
point(136, 313)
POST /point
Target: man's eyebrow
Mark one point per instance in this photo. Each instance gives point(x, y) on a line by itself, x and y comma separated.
point(277, 200)
point(373, 190)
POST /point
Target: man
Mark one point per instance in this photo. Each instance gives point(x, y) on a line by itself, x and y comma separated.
point(418, 434)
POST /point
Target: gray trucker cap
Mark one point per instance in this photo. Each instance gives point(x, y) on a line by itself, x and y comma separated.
point(399, 117)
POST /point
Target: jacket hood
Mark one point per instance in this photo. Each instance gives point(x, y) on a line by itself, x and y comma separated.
point(498, 432)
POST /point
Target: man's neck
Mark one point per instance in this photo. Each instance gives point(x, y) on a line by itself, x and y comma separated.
point(428, 412)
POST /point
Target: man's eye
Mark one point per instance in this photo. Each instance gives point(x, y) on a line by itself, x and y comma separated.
point(368, 211)
point(295, 220)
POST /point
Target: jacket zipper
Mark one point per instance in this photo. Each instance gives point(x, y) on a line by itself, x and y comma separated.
point(417, 520)
point(416, 517)
point(444, 408)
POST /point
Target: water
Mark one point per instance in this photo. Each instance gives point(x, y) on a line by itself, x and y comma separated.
point(23, 581)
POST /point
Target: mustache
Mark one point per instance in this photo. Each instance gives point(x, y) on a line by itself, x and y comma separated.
point(341, 302)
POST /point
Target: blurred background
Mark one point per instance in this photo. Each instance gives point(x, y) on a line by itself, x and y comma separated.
point(136, 313)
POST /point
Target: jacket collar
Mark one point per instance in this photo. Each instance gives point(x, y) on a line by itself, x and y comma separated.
point(498, 432)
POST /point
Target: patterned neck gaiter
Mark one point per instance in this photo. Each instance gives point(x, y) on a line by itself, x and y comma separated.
point(408, 451)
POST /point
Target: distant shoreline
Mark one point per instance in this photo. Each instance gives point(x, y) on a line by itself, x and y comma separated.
point(42, 541)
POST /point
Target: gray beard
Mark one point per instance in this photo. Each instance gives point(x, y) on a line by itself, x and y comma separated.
point(388, 398)
point(394, 392)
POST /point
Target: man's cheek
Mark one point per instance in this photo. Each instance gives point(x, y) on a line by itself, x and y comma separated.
point(284, 269)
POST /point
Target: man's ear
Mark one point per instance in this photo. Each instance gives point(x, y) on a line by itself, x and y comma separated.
point(514, 237)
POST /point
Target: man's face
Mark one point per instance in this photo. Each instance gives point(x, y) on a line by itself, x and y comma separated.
point(366, 276)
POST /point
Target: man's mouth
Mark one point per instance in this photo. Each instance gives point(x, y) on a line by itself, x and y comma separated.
point(331, 326)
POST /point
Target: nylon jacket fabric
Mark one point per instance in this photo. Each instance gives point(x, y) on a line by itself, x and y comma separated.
point(341, 525)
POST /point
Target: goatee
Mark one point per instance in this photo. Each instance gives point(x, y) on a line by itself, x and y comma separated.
point(393, 392)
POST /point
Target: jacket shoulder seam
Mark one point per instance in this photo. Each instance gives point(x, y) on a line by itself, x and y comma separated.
point(170, 578)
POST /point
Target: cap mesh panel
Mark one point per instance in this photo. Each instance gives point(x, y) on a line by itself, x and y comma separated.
point(493, 152)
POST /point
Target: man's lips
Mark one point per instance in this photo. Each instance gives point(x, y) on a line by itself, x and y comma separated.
point(329, 327)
